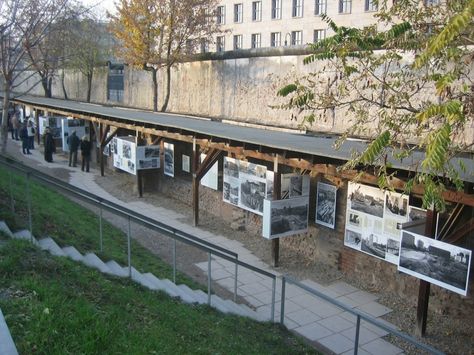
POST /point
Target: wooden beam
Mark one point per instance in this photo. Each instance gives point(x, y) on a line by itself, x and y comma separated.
point(211, 157)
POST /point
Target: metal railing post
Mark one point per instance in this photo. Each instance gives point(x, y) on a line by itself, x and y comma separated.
point(100, 228)
point(28, 201)
point(273, 299)
point(12, 200)
point(129, 247)
point(235, 280)
point(209, 278)
point(282, 310)
point(356, 340)
point(174, 260)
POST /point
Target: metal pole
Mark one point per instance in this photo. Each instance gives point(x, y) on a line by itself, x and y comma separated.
point(273, 299)
point(209, 278)
point(129, 249)
point(235, 281)
point(356, 341)
point(12, 200)
point(282, 310)
point(28, 199)
point(100, 228)
point(174, 260)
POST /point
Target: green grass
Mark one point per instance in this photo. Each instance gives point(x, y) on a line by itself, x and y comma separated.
point(56, 306)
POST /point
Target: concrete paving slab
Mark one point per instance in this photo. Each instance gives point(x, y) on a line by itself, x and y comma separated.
point(360, 351)
point(228, 283)
point(377, 330)
point(362, 297)
point(342, 288)
point(336, 343)
point(349, 302)
point(321, 288)
point(313, 331)
point(288, 323)
point(303, 317)
point(220, 274)
point(365, 335)
point(374, 309)
point(326, 310)
point(336, 323)
point(379, 346)
point(253, 288)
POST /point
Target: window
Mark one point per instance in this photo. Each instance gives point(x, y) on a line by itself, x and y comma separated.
point(432, 2)
point(256, 40)
point(237, 42)
point(276, 9)
point(257, 11)
point(345, 6)
point(275, 39)
point(220, 14)
point(371, 5)
point(204, 45)
point(220, 43)
point(296, 38)
point(238, 9)
point(320, 7)
point(297, 9)
point(319, 35)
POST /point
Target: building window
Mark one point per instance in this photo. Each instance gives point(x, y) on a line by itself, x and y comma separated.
point(432, 2)
point(319, 35)
point(237, 42)
point(345, 6)
point(204, 45)
point(296, 38)
point(220, 15)
point(238, 11)
point(275, 39)
point(220, 43)
point(276, 9)
point(297, 8)
point(257, 11)
point(371, 5)
point(320, 7)
point(256, 40)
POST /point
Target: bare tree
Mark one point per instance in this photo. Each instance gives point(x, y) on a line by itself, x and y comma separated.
point(23, 23)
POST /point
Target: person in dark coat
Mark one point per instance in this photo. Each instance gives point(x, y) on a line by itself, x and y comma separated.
point(16, 126)
point(73, 142)
point(31, 135)
point(86, 153)
point(49, 146)
point(24, 139)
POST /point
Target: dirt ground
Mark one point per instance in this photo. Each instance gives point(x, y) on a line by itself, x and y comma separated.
point(445, 332)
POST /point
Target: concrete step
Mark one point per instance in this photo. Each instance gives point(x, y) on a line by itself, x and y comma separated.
point(116, 268)
point(94, 261)
point(50, 245)
point(73, 253)
point(201, 295)
point(191, 292)
point(236, 308)
point(25, 235)
point(218, 303)
point(159, 284)
point(140, 278)
point(7, 346)
point(5, 229)
point(185, 296)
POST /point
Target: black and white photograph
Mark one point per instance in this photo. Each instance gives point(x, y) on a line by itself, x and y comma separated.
point(396, 205)
point(231, 192)
point(352, 239)
point(186, 162)
point(258, 171)
point(416, 214)
point(126, 150)
point(148, 157)
point(231, 167)
point(366, 199)
point(285, 217)
point(270, 176)
point(393, 250)
point(374, 244)
point(114, 146)
point(252, 194)
point(169, 159)
point(152, 152)
point(355, 219)
point(294, 185)
point(440, 263)
point(326, 205)
point(131, 165)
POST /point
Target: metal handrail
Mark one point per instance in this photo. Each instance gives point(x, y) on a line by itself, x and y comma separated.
point(359, 314)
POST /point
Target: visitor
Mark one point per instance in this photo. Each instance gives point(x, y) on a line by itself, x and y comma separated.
point(86, 153)
point(24, 139)
point(31, 135)
point(49, 146)
point(73, 145)
point(15, 126)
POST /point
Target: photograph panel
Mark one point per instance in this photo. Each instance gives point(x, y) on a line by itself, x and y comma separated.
point(326, 205)
point(289, 216)
point(366, 199)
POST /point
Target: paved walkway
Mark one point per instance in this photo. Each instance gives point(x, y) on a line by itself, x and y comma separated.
point(313, 318)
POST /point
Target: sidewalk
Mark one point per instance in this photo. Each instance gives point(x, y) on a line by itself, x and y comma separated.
point(316, 320)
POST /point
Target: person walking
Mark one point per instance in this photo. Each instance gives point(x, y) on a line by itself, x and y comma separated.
point(24, 139)
point(16, 126)
point(31, 135)
point(73, 145)
point(49, 146)
point(86, 153)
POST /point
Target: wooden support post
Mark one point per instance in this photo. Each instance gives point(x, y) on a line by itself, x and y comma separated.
point(424, 290)
point(276, 196)
point(101, 149)
point(195, 183)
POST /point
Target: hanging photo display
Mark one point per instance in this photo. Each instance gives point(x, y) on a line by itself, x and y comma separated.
point(69, 125)
point(245, 184)
point(395, 214)
point(270, 179)
point(211, 177)
point(294, 185)
point(287, 217)
point(169, 159)
point(148, 157)
point(186, 161)
point(124, 154)
point(326, 205)
point(440, 263)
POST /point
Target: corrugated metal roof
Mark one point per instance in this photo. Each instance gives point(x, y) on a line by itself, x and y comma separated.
point(318, 145)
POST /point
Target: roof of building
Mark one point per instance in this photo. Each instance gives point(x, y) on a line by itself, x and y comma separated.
point(318, 145)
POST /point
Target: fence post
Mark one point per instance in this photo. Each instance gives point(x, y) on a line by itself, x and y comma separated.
point(282, 310)
point(28, 199)
point(273, 299)
point(174, 260)
point(100, 227)
point(356, 341)
point(209, 278)
point(12, 200)
point(129, 247)
point(235, 280)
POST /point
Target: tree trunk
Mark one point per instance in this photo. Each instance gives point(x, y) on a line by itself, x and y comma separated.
point(168, 88)
point(45, 82)
point(155, 89)
point(89, 86)
point(63, 85)
point(4, 125)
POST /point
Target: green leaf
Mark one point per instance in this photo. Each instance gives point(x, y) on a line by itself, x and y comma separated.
point(286, 90)
point(375, 148)
point(437, 149)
